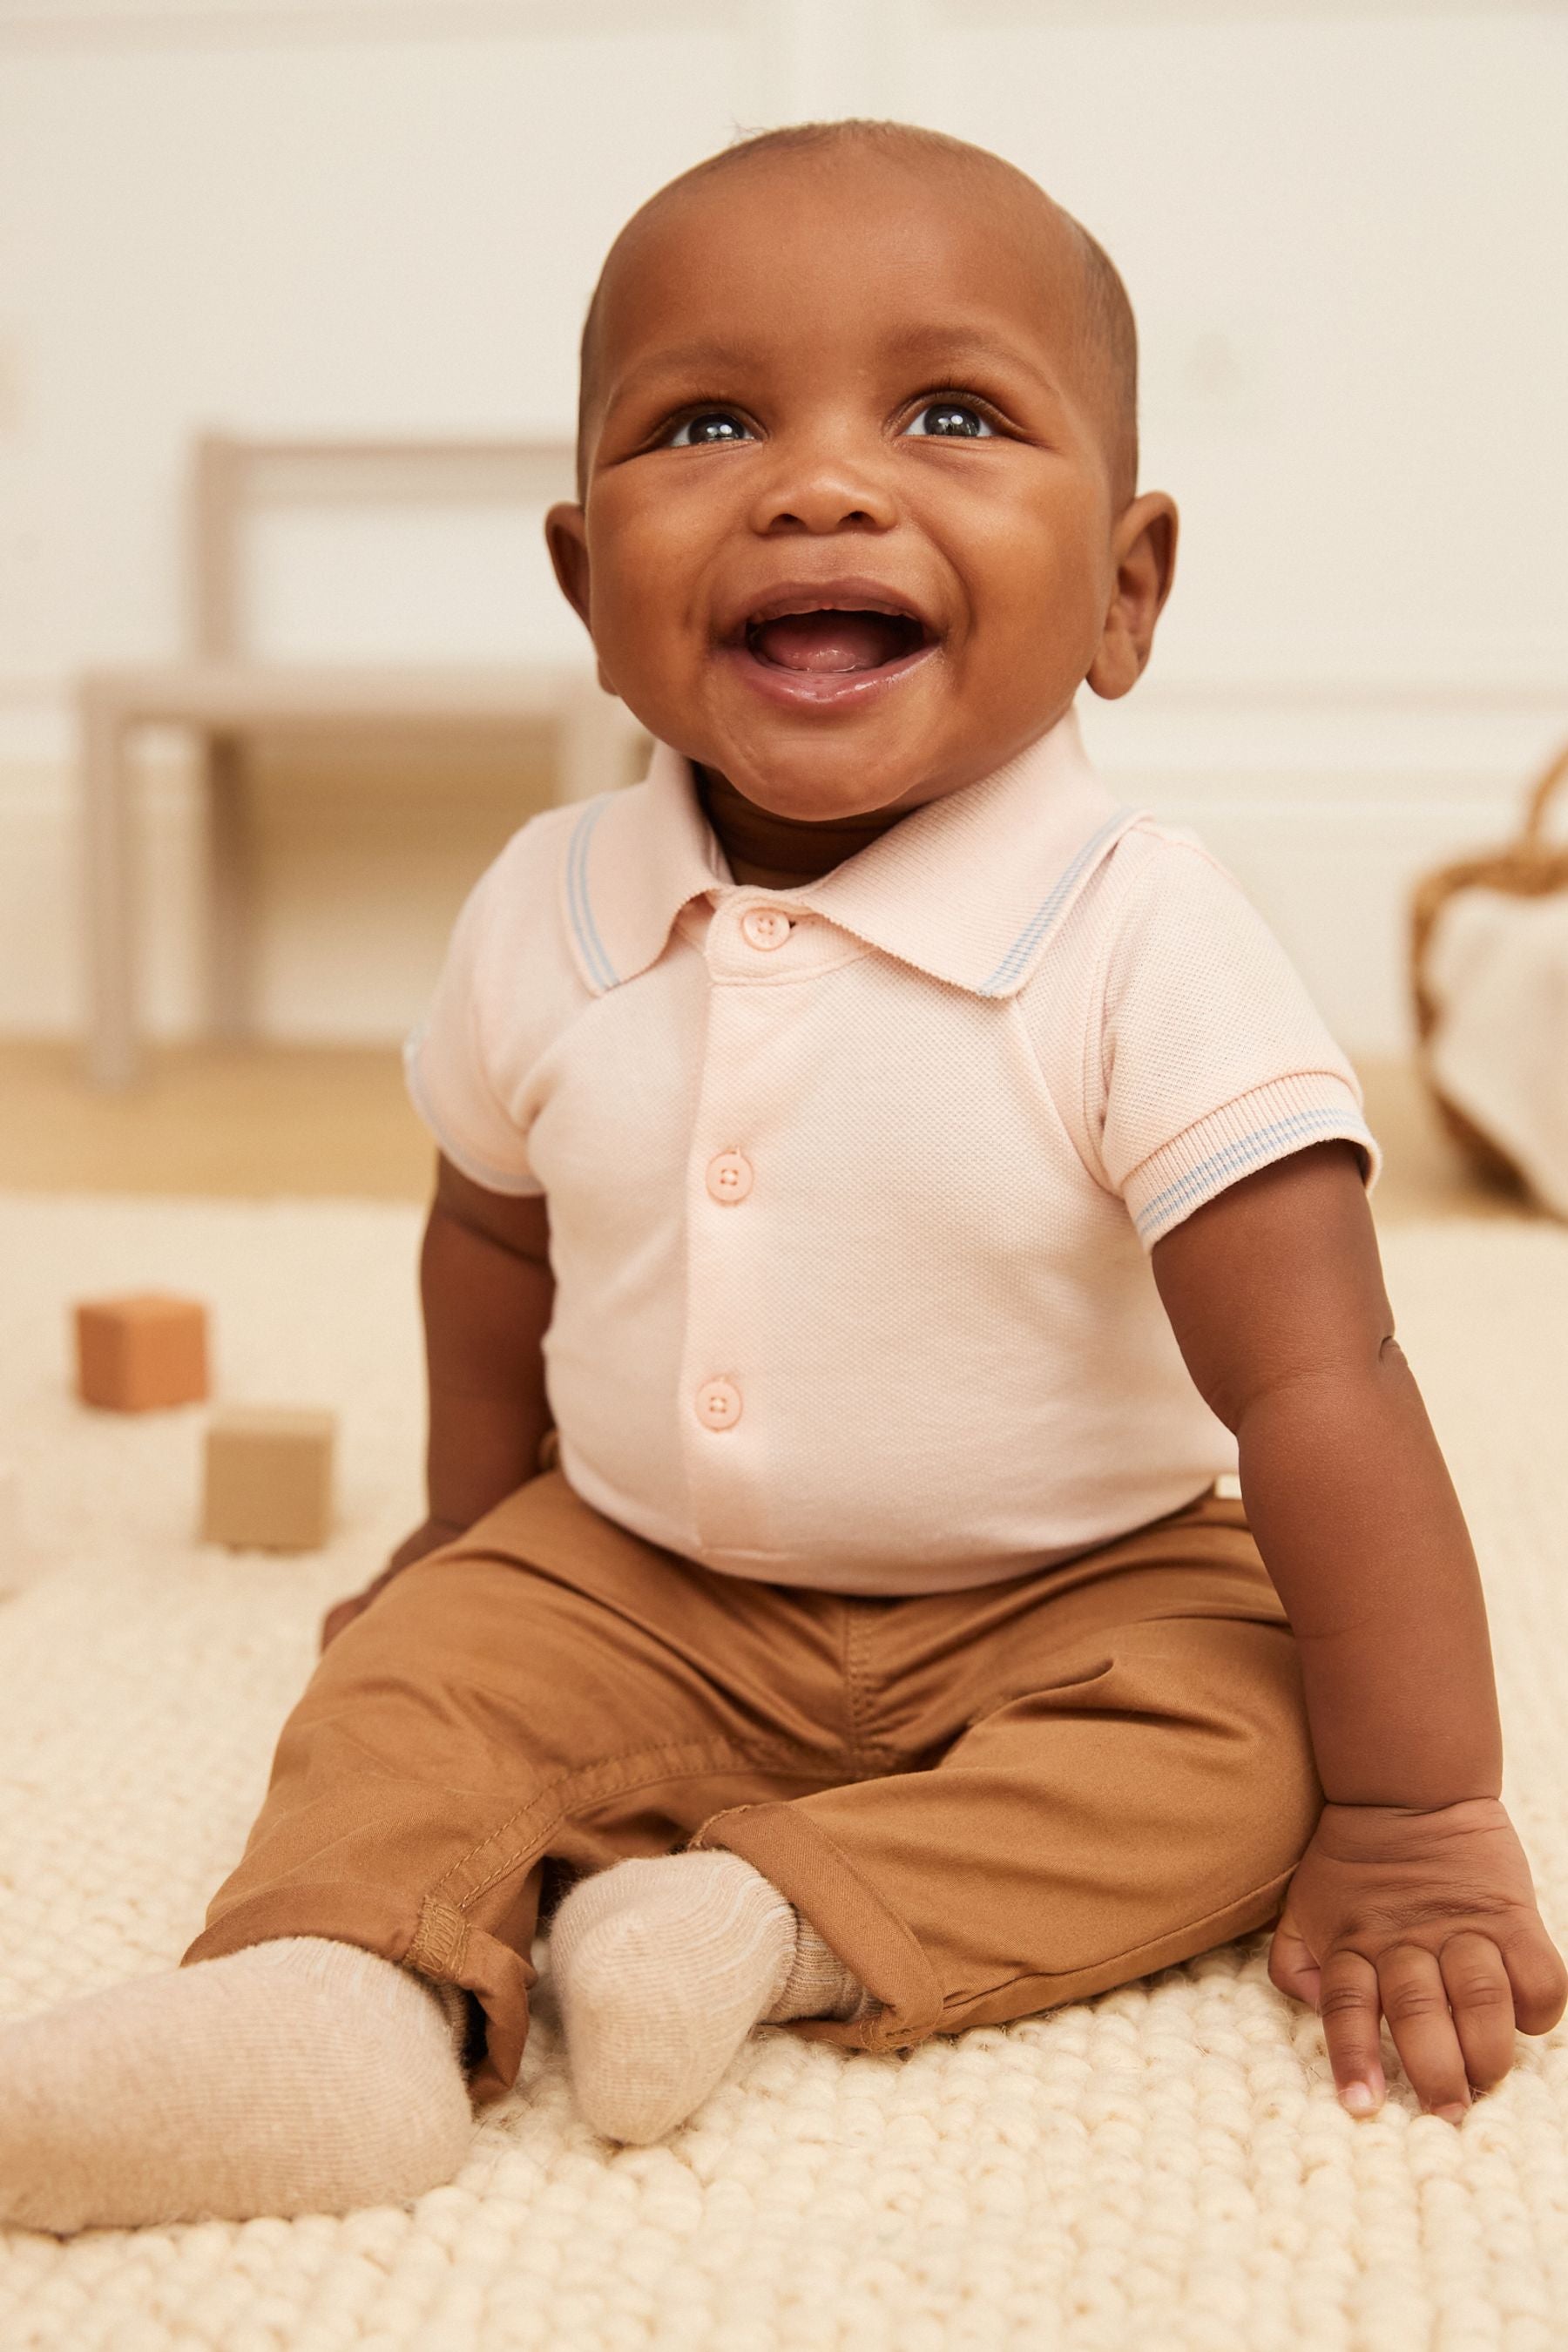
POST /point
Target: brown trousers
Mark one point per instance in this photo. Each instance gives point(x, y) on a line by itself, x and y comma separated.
point(987, 1803)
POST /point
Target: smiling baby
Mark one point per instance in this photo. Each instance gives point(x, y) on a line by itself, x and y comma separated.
point(887, 1189)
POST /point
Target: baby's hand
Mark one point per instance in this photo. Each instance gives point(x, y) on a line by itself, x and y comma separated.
point(428, 1538)
point(1418, 1914)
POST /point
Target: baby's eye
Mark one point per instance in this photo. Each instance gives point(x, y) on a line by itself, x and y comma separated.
point(727, 427)
point(951, 420)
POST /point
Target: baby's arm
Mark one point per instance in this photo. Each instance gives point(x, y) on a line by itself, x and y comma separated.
point(1274, 1292)
point(487, 1288)
point(1414, 1896)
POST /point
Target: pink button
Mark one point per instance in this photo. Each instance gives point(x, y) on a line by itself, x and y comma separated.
point(730, 1176)
point(718, 1404)
point(764, 926)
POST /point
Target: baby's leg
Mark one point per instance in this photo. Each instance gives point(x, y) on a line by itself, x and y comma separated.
point(1132, 1784)
point(298, 2075)
point(550, 1691)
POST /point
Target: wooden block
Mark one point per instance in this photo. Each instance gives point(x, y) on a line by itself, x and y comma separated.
point(269, 1485)
point(138, 1353)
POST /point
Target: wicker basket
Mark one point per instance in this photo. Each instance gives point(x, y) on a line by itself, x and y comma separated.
point(1528, 868)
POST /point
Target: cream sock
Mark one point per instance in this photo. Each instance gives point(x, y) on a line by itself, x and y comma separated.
point(661, 1968)
point(296, 2076)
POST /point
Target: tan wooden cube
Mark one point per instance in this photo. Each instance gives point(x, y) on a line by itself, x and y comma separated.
point(268, 1483)
point(141, 1352)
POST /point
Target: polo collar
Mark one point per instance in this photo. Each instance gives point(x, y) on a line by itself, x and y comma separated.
point(968, 889)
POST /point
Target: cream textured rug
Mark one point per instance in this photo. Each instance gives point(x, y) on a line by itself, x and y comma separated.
point(1161, 2169)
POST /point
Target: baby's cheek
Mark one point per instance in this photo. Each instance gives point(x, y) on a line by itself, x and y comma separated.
point(639, 621)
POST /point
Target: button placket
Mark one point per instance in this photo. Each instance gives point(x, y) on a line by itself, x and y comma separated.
point(724, 1352)
point(728, 1180)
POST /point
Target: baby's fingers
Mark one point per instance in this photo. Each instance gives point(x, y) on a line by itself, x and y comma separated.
point(1481, 1997)
point(1350, 2008)
point(1415, 2003)
point(1539, 1978)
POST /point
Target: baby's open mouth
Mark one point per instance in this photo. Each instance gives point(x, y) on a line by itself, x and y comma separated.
point(834, 640)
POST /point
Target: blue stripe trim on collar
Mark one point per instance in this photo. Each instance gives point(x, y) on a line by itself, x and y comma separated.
point(577, 899)
point(1050, 908)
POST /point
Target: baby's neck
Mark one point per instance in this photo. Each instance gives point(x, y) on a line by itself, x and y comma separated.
point(777, 852)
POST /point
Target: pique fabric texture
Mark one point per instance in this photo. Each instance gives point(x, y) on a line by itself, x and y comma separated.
point(852, 1185)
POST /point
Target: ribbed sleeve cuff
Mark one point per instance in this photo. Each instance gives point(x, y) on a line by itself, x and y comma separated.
point(1266, 1125)
point(469, 1163)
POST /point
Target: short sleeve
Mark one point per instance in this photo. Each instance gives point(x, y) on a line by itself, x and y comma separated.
point(1216, 1060)
point(448, 1070)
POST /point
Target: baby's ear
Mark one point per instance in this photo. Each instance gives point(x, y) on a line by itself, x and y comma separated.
point(1143, 551)
point(565, 535)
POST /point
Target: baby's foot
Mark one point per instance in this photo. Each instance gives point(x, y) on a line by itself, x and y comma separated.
point(662, 1967)
point(297, 2076)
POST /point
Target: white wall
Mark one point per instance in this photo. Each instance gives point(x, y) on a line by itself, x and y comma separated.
point(1345, 231)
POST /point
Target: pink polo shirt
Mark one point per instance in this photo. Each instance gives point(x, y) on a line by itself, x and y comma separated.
point(852, 1185)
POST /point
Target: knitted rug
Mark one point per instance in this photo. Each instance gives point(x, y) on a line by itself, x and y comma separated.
point(1163, 2167)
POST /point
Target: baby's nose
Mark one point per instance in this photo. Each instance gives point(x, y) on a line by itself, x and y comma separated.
point(826, 492)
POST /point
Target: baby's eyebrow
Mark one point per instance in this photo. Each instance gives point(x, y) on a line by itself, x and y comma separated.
point(921, 340)
point(962, 347)
point(933, 347)
point(707, 352)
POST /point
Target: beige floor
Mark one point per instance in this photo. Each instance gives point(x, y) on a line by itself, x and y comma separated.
point(314, 1121)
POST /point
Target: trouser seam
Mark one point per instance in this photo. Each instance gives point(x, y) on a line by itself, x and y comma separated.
point(720, 1755)
point(854, 1686)
point(1131, 1951)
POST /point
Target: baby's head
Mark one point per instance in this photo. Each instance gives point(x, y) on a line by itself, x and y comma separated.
point(869, 370)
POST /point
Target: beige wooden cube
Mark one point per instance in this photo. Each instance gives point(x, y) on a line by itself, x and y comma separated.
point(268, 1483)
point(141, 1352)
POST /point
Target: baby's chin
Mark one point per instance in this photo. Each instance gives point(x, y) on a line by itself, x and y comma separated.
point(839, 777)
point(837, 758)
point(819, 783)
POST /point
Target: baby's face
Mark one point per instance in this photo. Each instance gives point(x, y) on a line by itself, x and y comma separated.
point(850, 535)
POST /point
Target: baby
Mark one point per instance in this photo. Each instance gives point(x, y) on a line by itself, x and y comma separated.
point(886, 1188)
